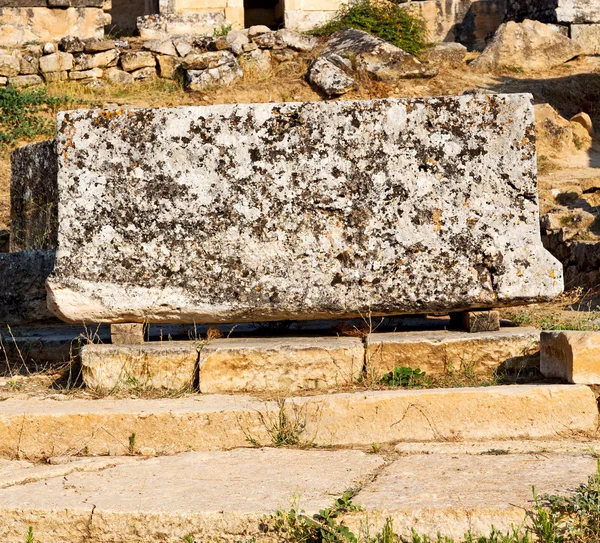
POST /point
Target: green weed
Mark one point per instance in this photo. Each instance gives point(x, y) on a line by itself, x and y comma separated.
point(29, 537)
point(389, 22)
point(405, 377)
point(222, 31)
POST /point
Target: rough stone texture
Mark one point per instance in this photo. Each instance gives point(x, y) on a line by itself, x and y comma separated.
point(295, 40)
point(222, 75)
point(22, 291)
point(34, 197)
point(214, 496)
point(94, 73)
point(420, 206)
point(136, 60)
point(154, 27)
point(144, 74)
point(258, 60)
point(478, 321)
point(23, 81)
point(168, 66)
point(516, 412)
point(555, 11)
point(52, 77)
point(56, 62)
point(34, 428)
point(118, 77)
point(571, 356)
point(328, 78)
point(166, 366)
point(442, 352)
point(376, 57)
point(72, 44)
point(162, 47)
point(451, 55)
point(9, 65)
point(279, 365)
point(584, 120)
point(453, 494)
point(98, 45)
point(529, 45)
point(127, 334)
point(22, 25)
point(587, 37)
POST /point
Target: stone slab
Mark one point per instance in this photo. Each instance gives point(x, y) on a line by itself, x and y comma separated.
point(33, 429)
point(442, 352)
point(571, 356)
point(224, 496)
point(166, 366)
point(587, 37)
point(34, 197)
point(279, 365)
point(204, 215)
point(453, 494)
point(22, 287)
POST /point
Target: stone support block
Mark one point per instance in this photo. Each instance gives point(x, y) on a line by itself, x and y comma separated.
point(279, 365)
point(446, 352)
point(403, 219)
point(34, 196)
point(476, 321)
point(152, 366)
point(572, 356)
point(127, 334)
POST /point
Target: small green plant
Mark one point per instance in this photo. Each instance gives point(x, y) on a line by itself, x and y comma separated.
point(323, 527)
point(189, 538)
point(390, 22)
point(132, 443)
point(405, 377)
point(545, 522)
point(29, 537)
point(23, 115)
point(222, 31)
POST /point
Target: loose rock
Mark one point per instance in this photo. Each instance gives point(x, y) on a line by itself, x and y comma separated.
point(328, 78)
point(136, 60)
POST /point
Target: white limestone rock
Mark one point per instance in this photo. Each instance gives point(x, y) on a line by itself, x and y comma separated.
point(258, 212)
point(328, 78)
point(219, 76)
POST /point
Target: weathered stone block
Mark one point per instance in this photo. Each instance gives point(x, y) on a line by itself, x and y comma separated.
point(572, 356)
point(23, 81)
point(279, 365)
point(258, 212)
point(34, 196)
point(444, 352)
point(587, 37)
point(9, 65)
point(476, 321)
point(136, 60)
point(22, 287)
point(56, 62)
point(169, 366)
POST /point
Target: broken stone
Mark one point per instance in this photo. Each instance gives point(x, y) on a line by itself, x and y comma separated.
point(587, 37)
point(251, 47)
point(53, 77)
point(295, 40)
point(451, 55)
point(94, 73)
point(584, 120)
point(279, 365)
point(258, 60)
point(162, 47)
point(236, 41)
point(212, 59)
point(28, 64)
point(222, 75)
point(281, 55)
point(572, 356)
point(265, 41)
point(143, 74)
point(56, 62)
point(71, 44)
point(221, 44)
point(23, 81)
point(118, 77)
point(152, 366)
point(183, 48)
point(529, 45)
point(99, 60)
point(257, 30)
point(168, 66)
point(98, 45)
point(49, 48)
point(328, 78)
point(9, 65)
point(269, 259)
point(136, 60)
point(376, 57)
point(95, 84)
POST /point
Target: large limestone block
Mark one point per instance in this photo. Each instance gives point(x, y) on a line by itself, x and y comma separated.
point(587, 37)
point(22, 292)
point(22, 25)
point(571, 356)
point(443, 352)
point(279, 365)
point(258, 212)
point(529, 45)
point(33, 197)
point(578, 11)
point(161, 365)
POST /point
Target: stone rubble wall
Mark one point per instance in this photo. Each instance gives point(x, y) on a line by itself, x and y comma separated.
point(201, 62)
point(578, 19)
point(300, 211)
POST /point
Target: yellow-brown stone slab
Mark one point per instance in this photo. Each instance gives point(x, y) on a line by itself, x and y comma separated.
point(572, 356)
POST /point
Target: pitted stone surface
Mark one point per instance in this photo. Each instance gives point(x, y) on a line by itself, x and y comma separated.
point(299, 211)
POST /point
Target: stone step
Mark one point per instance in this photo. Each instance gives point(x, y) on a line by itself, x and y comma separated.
point(233, 495)
point(35, 429)
point(254, 365)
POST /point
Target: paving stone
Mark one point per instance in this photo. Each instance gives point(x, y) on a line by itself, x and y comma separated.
point(412, 251)
point(442, 352)
point(210, 495)
point(452, 494)
point(572, 356)
point(279, 365)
